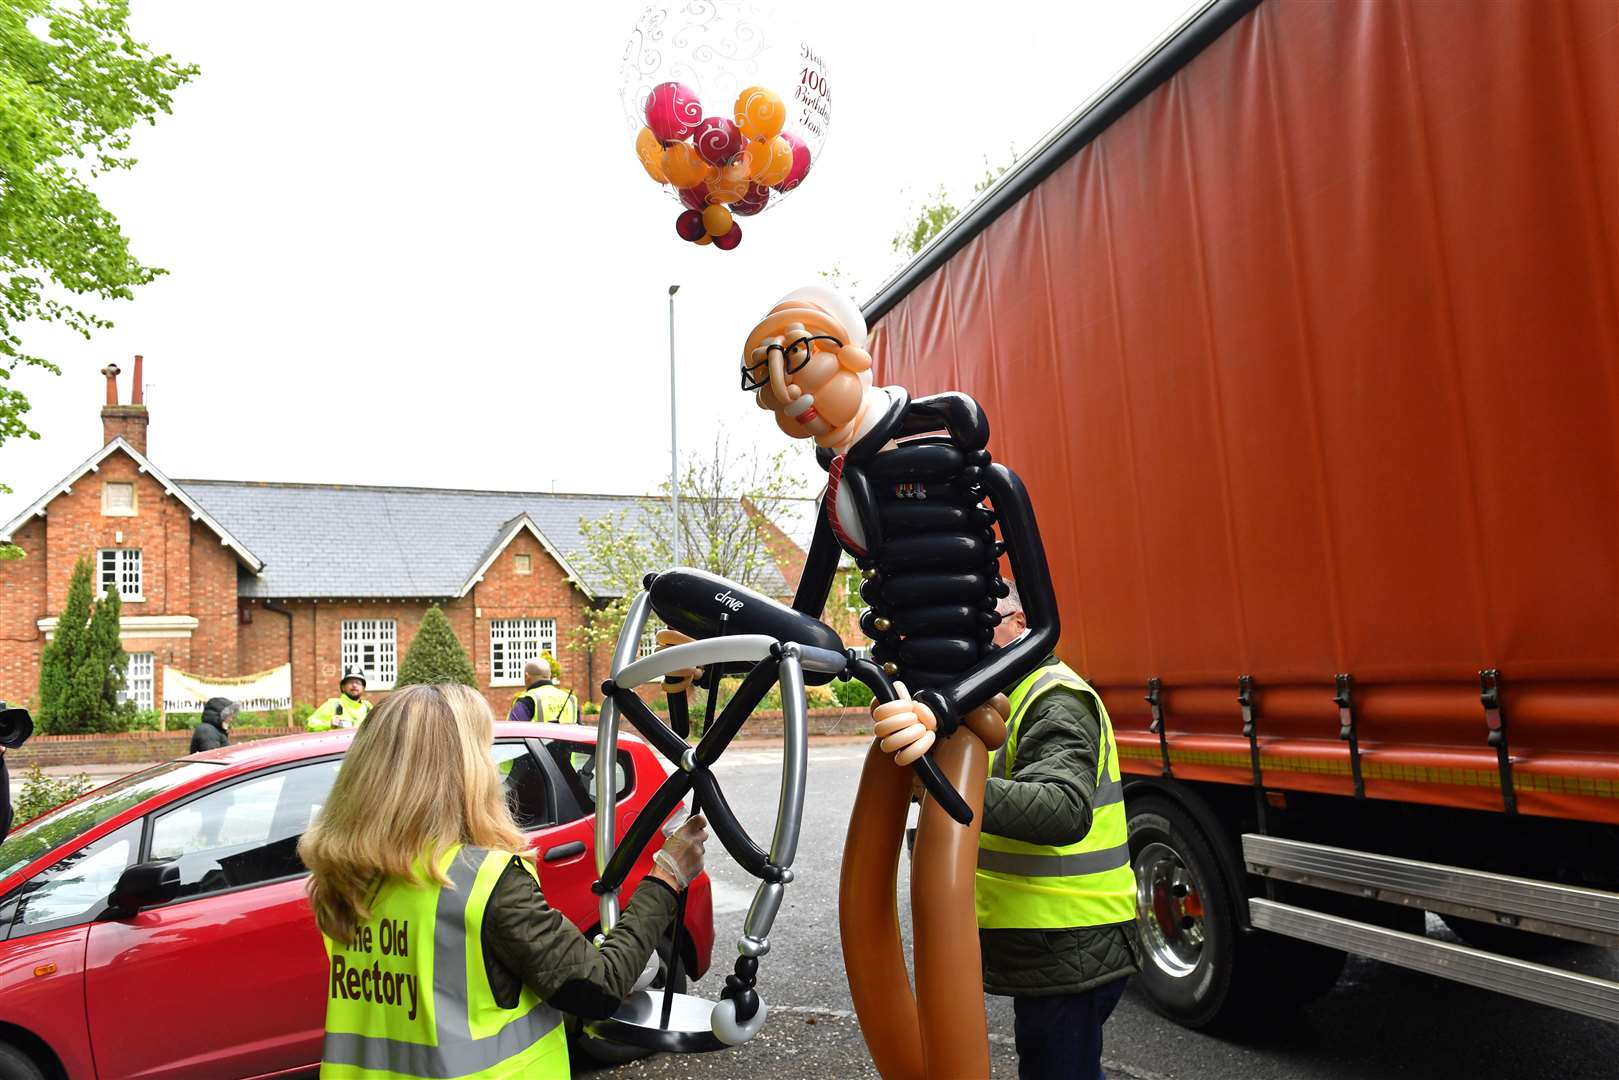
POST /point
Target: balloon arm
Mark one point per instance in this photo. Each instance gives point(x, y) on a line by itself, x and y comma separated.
point(820, 568)
point(1002, 668)
point(956, 412)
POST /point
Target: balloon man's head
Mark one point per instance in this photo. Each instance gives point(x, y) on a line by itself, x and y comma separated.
point(807, 362)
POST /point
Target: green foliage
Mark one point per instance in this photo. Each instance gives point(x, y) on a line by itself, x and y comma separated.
point(723, 500)
point(301, 713)
point(82, 670)
point(10, 552)
point(73, 83)
point(939, 210)
point(852, 694)
point(556, 666)
point(436, 655)
point(41, 793)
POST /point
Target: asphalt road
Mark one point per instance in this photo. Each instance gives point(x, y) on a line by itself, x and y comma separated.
point(1380, 1022)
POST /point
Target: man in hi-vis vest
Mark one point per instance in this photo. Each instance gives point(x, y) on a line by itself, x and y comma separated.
point(1056, 893)
point(542, 699)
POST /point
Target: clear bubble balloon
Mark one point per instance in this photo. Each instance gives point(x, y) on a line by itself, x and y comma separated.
point(749, 64)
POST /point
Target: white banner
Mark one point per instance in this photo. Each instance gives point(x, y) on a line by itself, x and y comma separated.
point(252, 693)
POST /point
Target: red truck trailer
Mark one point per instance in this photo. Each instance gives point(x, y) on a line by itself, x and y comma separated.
point(1304, 335)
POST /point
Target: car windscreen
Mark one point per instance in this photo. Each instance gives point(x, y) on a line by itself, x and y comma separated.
point(66, 824)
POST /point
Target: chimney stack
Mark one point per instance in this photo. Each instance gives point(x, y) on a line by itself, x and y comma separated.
point(137, 392)
point(127, 420)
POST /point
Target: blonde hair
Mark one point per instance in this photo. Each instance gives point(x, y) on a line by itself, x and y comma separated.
point(418, 779)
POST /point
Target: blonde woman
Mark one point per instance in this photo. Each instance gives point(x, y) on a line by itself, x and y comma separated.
point(446, 961)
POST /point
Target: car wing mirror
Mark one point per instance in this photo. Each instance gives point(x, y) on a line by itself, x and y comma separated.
point(144, 885)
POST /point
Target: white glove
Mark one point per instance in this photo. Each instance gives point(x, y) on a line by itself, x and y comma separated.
point(681, 856)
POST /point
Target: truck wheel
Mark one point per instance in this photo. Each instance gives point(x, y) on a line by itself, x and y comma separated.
point(16, 1065)
point(1191, 945)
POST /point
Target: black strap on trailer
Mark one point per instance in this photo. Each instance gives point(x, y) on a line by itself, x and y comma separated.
point(1489, 685)
point(1155, 694)
point(1250, 731)
point(1346, 729)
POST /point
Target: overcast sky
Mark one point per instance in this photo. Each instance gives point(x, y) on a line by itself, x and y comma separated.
point(410, 243)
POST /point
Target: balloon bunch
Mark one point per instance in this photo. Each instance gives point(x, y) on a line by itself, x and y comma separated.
point(721, 168)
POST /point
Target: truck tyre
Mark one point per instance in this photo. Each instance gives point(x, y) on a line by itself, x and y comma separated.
point(1196, 963)
point(16, 1065)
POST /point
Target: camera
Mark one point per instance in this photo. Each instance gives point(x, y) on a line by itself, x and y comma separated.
point(15, 726)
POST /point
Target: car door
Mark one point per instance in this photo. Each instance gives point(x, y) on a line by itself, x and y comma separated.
point(567, 849)
point(46, 923)
point(229, 979)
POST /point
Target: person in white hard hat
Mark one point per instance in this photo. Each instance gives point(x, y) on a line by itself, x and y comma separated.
point(347, 710)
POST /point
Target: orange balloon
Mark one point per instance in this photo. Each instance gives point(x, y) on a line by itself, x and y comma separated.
point(684, 167)
point(760, 113)
point(650, 151)
point(779, 165)
point(757, 157)
point(704, 239)
point(717, 220)
point(730, 183)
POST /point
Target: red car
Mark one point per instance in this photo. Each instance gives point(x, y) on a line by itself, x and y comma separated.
point(228, 979)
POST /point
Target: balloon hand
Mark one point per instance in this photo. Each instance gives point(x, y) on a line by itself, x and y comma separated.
point(904, 728)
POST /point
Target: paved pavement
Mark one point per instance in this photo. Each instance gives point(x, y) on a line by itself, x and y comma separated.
point(1380, 1022)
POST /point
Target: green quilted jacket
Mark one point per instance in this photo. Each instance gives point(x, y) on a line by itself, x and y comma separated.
point(1048, 801)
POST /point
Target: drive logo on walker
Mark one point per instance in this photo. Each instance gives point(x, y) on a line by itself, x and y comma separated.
point(728, 600)
point(363, 980)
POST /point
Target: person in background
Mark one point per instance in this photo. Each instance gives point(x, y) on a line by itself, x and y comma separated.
point(435, 925)
point(542, 699)
point(213, 730)
point(346, 710)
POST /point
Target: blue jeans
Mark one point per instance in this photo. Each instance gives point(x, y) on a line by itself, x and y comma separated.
point(1060, 1038)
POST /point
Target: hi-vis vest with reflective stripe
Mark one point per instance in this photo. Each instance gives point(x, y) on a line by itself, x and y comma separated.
point(551, 704)
point(327, 717)
point(1040, 887)
point(409, 997)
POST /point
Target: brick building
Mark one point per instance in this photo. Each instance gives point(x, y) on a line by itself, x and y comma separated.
point(226, 578)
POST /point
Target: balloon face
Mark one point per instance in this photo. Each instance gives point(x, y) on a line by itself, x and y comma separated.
point(760, 112)
point(673, 111)
point(779, 163)
point(695, 198)
point(718, 140)
point(648, 149)
point(752, 202)
point(683, 166)
point(800, 166)
point(689, 225)
point(730, 239)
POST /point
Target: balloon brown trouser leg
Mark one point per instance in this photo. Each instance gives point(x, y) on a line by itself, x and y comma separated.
point(949, 1030)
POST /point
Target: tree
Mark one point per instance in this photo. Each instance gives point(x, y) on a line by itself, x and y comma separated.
point(725, 502)
point(73, 84)
point(436, 655)
point(82, 668)
point(940, 210)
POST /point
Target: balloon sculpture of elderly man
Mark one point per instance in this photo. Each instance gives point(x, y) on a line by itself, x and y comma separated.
point(907, 484)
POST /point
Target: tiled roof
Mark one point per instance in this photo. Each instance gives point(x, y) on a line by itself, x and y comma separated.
point(341, 541)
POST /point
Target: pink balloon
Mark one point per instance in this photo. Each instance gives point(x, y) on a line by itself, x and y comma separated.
point(801, 163)
point(695, 197)
point(718, 140)
point(730, 239)
point(673, 111)
point(751, 203)
point(689, 225)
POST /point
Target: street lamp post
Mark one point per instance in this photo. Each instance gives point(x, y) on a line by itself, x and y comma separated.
point(674, 445)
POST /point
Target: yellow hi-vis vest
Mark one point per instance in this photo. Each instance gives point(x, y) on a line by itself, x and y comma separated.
point(552, 704)
point(409, 996)
point(328, 716)
point(1042, 887)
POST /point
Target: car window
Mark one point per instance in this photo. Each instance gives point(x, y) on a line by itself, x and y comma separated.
point(527, 790)
point(245, 834)
point(77, 887)
point(60, 827)
point(576, 761)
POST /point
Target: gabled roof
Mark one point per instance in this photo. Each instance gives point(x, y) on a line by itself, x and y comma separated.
point(340, 541)
point(93, 464)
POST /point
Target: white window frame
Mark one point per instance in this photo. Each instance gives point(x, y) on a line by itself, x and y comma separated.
point(522, 564)
point(124, 567)
point(649, 639)
point(140, 682)
point(513, 643)
point(107, 509)
point(372, 645)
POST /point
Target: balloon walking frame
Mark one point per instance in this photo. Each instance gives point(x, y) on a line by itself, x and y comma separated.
point(771, 644)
